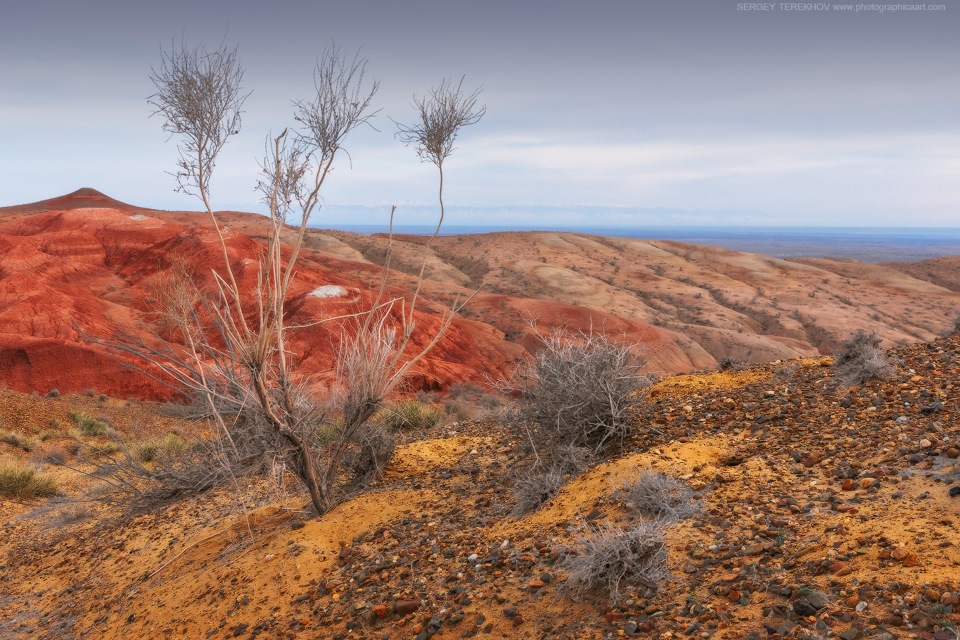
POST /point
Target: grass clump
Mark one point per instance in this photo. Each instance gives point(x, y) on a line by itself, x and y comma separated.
point(158, 448)
point(90, 427)
point(25, 483)
point(613, 558)
point(105, 449)
point(861, 359)
point(410, 415)
point(657, 495)
point(17, 440)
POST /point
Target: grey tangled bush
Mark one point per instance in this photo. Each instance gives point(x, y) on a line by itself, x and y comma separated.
point(861, 359)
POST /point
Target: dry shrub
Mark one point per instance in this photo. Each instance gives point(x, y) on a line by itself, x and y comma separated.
point(613, 558)
point(25, 483)
point(56, 455)
point(729, 363)
point(861, 359)
point(536, 489)
point(579, 390)
point(657, 495)
point(376, 447)
point(542, 482)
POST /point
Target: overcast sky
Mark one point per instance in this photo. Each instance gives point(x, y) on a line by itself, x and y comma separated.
point(649, 111)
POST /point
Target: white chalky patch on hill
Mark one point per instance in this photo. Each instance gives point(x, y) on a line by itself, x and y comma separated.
point(328, 291)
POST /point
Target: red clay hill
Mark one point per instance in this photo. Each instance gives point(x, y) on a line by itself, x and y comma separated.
point(85, 264)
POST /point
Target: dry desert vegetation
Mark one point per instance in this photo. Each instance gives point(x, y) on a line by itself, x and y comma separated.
point(226, 425)
point(777, 504)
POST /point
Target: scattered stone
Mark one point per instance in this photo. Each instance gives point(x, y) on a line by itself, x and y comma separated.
point(405, 607)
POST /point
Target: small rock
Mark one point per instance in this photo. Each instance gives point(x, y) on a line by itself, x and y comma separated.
point(954, 491)
point(404, 607)
point(511, 612)
point(850, 634)
point(804, 608)
point(816, 599)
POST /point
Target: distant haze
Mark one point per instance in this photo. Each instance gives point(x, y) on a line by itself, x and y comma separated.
point(610, 113)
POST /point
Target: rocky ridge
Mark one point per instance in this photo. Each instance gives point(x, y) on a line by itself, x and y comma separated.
point(824, 512)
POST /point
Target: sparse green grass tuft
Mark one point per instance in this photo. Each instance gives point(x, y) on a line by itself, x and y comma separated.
point(158, 448)
point(17, 440)
point(104, 449)
point(410, 415)
point(25, 483)
point(90, 427)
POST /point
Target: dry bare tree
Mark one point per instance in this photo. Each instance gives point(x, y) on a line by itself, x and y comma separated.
point(235, 356)
point(442, 113)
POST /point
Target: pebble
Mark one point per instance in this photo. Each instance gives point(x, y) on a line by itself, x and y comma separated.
point(804, 608)
point(404, 607)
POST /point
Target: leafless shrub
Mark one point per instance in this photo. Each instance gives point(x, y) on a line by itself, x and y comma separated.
point(442, 114)
point(234, 358)
point(861, 359)
point(731, 364)
point(535, 489)
point(613, 558)
point(200, 98)
point(372, 454)
point(469, 401)
point(56, 455)
point(657, 495)
point(120, 477)
point(544, 480)
point(579, 391)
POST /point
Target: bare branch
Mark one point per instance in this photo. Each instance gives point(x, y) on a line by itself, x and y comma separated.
point(442, 113)
point(200, 98)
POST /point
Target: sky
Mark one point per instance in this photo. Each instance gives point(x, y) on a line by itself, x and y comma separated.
point(609, 113)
